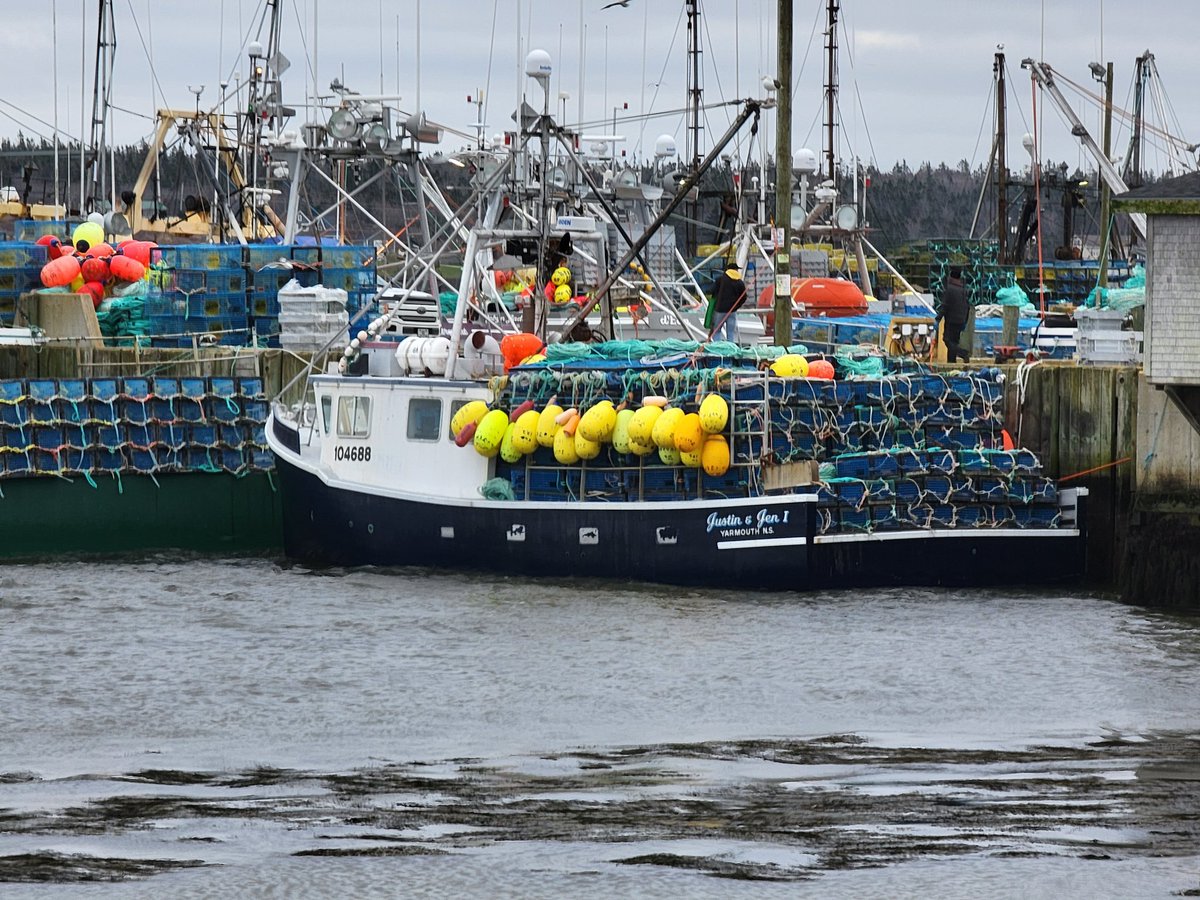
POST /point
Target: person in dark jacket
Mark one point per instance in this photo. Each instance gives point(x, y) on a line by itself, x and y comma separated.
point(729, 295)
point(955, 310)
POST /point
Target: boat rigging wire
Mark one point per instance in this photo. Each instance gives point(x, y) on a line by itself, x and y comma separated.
point(145, 49)
point(858, 95)
point(31, 116)
point(487, 89)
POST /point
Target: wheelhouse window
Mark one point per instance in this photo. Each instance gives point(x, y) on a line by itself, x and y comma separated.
point(327, 413)
point(424, 419)
point(354, 417)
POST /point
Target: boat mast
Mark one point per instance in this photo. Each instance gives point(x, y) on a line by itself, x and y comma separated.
point(1001, 164)
point(831, 86)
point(106, 49)
point(695, 94)
point(1132, 175)
point(783, 180)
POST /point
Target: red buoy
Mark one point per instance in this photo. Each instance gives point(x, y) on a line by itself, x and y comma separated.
point(60, 272)
point(52, 244)
point(95, 269)
point(96, 290)
point(126, 268)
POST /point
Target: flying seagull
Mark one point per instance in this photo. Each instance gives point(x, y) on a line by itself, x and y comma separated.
point(624, 3)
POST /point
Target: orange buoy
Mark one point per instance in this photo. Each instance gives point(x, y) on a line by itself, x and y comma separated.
point(126, 268)
point(1007, 440)
point(60, 272)
point(101, 249)
point(515, 347)
point(96, 290)
point(95, 269)
point(820, 368)
point(52, 244)
point(139, 250)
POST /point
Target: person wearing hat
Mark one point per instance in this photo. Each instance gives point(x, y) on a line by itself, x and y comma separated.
point(729, 295)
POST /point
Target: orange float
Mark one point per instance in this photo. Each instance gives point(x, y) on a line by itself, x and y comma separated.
point(818, 297)
point(126, 268)
point(52, 244)
point(60, 272)
point(139, 250)
point(94, 269)
point(516, 347)
point(96, 290)
point(821, 368)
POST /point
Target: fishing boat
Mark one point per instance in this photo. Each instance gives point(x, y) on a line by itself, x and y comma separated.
point(678, 461)
point(376, 477)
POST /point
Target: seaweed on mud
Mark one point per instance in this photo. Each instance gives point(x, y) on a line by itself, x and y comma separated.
point(64, 868)
point(168, 776)
point(399, 850)
point(1001, 803)
point(719, 868)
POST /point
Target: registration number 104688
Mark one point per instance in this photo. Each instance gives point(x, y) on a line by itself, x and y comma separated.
point(352, 453)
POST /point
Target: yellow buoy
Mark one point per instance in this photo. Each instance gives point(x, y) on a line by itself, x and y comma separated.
point(468, 413)
point(669, 455)
point(524, 437)
point(490, 432)
point(790, 365)
point(584, 448)
point(598, 423)
point(508, 452)
point(714, 414)
point(714, 455)
point(564, 448)
point(641, 426)
point(640, 449)
point(620, 436)
point(663, 433)
point(547, 426)
point(689, 435)
point(691, 458)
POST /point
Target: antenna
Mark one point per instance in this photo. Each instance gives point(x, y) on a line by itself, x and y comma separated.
point(197, 91)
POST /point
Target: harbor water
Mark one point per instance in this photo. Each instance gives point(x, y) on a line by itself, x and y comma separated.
point(199, 727)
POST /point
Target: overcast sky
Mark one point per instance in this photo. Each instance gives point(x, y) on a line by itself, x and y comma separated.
point(915, 75)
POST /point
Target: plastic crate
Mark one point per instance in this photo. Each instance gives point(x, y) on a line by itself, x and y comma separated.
point(22, 255)
point(230, 330)
point(107, 436)
point(250, 388)
point(202, 256)
point(214, 305)
point(852, 520)
point(256, 256)
point(1036, 517)
point(172, 435)
point(140, 434)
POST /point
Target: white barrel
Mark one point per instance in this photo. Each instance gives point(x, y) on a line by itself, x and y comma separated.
point(435, 354)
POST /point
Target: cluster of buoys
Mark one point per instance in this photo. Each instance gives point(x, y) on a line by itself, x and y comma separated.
point(793, 365)
point(692, 439)
point(87, 265)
